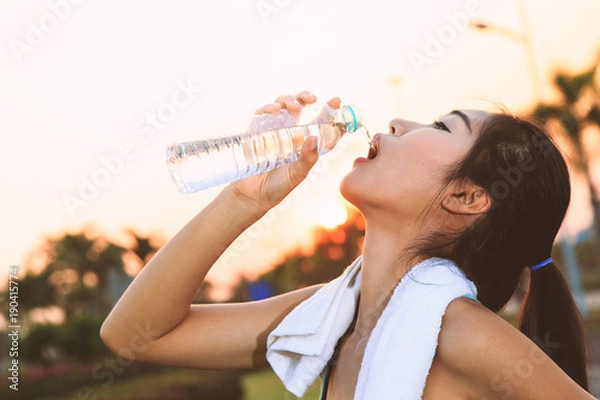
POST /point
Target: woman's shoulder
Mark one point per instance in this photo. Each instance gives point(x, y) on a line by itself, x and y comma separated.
point(493, 356)
point(476, 343)
point(468, 326)
point(463, 312)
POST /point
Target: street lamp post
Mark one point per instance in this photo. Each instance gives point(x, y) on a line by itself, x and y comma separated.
point(524, 39)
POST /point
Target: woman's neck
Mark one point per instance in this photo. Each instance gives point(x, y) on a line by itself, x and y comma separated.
point(384, 263)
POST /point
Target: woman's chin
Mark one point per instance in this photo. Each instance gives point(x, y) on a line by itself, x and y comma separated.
point(351, 190)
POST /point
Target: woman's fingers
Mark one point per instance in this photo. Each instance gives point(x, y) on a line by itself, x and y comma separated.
point(306, 97)
point(293, 104)
point(271, 108)
point(334, 102)
point(289, 102)
point(286, 110)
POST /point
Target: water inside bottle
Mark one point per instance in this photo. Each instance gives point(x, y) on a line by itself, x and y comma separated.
point(202, 164)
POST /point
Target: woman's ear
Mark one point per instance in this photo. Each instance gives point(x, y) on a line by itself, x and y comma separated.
point(466, 198)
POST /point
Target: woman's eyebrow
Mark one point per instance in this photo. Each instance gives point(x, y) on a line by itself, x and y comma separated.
point(464, 117)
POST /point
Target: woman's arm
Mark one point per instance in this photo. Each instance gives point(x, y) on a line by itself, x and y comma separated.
point(497, 360)
point(154, 320)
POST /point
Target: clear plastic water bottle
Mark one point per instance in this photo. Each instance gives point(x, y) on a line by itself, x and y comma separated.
point(203, 164)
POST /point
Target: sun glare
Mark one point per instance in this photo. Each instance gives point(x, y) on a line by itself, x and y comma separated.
point(330, 214)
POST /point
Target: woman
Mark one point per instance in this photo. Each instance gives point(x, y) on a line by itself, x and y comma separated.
point(487, 191)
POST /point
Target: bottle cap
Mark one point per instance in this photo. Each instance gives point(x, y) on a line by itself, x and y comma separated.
point(350, 117)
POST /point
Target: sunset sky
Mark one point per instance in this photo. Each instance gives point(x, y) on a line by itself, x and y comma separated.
point(80, 86)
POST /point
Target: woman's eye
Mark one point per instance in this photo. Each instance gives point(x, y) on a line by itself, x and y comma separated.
point(440, 125)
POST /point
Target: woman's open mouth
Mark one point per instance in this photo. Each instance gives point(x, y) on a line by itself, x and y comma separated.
point(374, 148)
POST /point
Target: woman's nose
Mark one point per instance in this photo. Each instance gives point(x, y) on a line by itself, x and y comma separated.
point(401, 126)
point(398, 126)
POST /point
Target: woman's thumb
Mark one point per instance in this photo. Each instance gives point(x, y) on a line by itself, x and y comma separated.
point(308, 157)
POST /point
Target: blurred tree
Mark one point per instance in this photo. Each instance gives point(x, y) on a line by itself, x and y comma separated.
point(75, 276)
point(578, 109)
point(334, 250)
point(79, 272)
point(34, 292)
point(82, 274)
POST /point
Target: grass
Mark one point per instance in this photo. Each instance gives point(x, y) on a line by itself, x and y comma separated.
point(265, 385)
point(175, 383)
point(162, 384)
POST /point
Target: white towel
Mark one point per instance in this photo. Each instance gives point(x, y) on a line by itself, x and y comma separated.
point(401, 347)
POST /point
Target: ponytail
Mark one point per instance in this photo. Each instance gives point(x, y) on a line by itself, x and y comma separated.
point(550, 317)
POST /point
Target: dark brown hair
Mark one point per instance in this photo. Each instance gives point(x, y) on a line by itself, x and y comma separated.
point(526, 176)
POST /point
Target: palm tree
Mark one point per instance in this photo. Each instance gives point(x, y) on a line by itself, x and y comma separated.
point(78, 272)
point(578, 109)
point(144, 247)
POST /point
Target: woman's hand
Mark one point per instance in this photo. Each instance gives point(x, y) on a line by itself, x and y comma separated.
point(266, 190)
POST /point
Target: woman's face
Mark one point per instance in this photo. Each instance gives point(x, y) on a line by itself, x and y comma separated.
point(408, 169)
